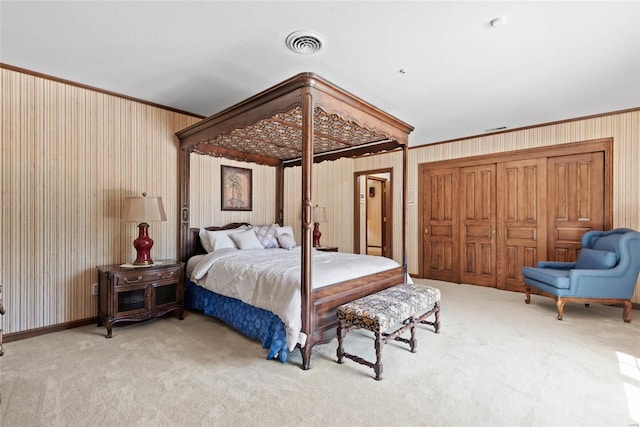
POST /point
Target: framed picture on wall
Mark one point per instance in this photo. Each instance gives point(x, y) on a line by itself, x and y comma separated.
point(236, 188)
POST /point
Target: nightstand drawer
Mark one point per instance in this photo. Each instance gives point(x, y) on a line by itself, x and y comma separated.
point(143, 275)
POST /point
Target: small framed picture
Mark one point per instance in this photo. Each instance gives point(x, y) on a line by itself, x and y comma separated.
point(236, 188)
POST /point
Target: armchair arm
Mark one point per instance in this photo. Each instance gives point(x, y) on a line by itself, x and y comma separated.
point(556, 265)
point(608, 283)
point(618, 282)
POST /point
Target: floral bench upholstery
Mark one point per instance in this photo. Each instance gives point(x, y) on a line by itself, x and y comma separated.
point(407, 305)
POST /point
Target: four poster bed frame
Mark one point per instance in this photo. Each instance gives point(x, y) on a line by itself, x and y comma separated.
point(299, 122)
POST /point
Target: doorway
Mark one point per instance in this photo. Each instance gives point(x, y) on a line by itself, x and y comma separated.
point(373, 212)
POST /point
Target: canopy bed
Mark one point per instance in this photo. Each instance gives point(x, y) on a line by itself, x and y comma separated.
point(299, 122)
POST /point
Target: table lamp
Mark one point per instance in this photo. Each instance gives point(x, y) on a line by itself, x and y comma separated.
point(143, 210)
point(319, 215)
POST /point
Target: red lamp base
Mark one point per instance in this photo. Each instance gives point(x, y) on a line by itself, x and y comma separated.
point(143, 245)
point(316, 234)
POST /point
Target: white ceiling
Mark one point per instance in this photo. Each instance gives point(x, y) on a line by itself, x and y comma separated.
point(550, 61)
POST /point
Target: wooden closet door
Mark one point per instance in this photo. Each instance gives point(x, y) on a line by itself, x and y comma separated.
point(478, 225)
point(576, 201)
point(440, 199)
point(522, 219)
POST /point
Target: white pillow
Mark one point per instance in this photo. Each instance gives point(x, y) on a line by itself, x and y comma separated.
point(286, 241)
point(213, 240)
point(220, 240)
point(204, 240)
point(246, 240)
point(287, 229)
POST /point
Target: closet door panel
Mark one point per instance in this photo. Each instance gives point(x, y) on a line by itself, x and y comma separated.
point(477, 226)
point(521, 219)
point(440, 218)
point(576, 201)
point(482, 225)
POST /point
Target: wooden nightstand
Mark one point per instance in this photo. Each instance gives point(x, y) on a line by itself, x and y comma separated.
point(133, 294)
point(327, 248)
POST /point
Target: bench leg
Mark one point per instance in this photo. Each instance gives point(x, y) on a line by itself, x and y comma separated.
point(413, 342)
point(436, 323)
point(340, 351)
point(377, 367)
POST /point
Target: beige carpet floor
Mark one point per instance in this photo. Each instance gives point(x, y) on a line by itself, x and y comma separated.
point(496, 362)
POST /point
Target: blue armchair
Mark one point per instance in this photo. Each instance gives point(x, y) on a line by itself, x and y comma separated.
point(606, 272)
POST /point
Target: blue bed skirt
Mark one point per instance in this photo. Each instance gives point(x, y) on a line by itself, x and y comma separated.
point(254, 322)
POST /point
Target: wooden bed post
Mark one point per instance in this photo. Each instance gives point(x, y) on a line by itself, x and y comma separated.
point(280, 194)
point(306, 288)
point(405, 152)
point(183, 229)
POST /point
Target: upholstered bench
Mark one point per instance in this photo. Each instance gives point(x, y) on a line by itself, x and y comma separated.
point(406, 305)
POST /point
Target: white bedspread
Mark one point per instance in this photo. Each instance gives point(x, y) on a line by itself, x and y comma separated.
point(270, 278)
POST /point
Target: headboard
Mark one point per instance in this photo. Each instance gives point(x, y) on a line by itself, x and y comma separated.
point(194, 246)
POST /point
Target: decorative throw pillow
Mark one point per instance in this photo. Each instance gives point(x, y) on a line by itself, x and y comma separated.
point(287, 229)
point(246, 240)
point(594, 259)
point(267, 235)
point(286, 241)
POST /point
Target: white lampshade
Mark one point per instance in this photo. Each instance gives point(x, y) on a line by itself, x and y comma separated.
point(320, 214)
point(143, 209)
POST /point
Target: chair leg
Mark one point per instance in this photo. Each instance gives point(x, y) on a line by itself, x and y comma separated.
point(527, 295)
point(626, 313)
point(560, 303)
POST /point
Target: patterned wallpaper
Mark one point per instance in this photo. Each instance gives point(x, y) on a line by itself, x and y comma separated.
point(70, 156)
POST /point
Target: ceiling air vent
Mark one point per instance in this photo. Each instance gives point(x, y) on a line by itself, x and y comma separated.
point(305, 42)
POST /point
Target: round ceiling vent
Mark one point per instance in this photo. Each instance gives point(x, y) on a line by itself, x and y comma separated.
point(305, 42)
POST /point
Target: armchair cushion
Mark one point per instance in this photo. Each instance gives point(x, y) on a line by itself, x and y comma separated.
point(595, 259)
point(554, 277)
